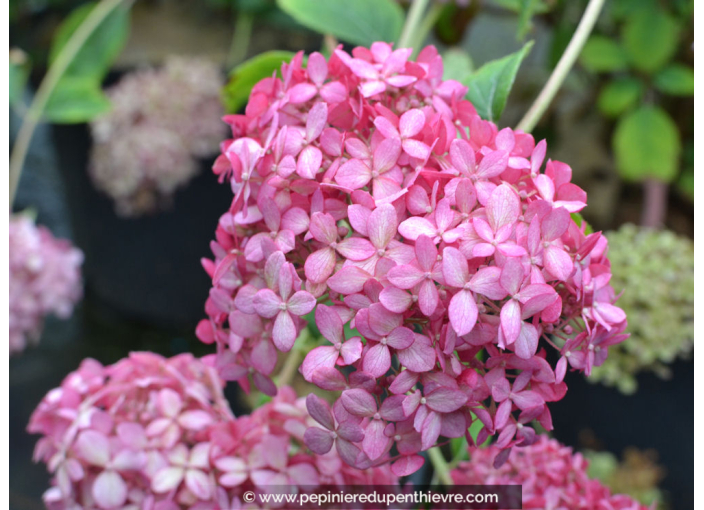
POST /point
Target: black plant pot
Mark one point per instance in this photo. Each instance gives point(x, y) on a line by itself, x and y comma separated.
point(660, 416)
point(147, 268)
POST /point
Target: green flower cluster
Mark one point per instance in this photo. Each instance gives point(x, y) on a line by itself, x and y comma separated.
point(638, 474)
point(656, 271)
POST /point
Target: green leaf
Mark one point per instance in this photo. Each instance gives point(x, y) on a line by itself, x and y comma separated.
point(248, 73)
point(620, 95)
point(647, 145)
point(676, 80)
point(651, 37)
point(358, 22)
point(526, 11)
point(19, 73)
point(76, 100)
point(103, 46)
point(602, 54)
point(457, 65)
point(491, 84)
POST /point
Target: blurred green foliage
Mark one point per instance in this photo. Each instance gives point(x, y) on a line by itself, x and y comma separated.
point(655, 271)
point(639, 49)
point(637, 475)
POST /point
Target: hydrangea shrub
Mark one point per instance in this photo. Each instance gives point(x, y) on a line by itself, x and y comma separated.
point(157, 433)
point(368, 192)
point(161, 121)
point(45, 278)
point(551, 476)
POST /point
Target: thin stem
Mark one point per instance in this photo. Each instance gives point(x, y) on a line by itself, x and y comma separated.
point(654, 203)
point(413, 21)
point(442, 469)
point(240, 39)
point(46, 87)
point(428, 23)
point(288, 371)
point(562, 69)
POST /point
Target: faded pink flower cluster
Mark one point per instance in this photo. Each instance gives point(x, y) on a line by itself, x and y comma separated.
point(161, 121)
point(45, 278)
point(157, 434)
point(367, 189)
point(551, 475)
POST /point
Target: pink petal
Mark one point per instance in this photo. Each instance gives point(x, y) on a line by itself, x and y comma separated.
point(317, 118)
point(411, 123)
point(351, 350)
point(195, 419)
point(323, 227)
point(309, 162)
point(428, 298)
point(386, 154)
point(319, 265)
point(377, 361)
point(94, 447)
point(302, 93)
point(359, 216)
point(406, 276)
point(463, 312)
point(493, 164)
point(382, 321)
point(511, 320)
point(407, 465)
point(318, 440)
point(462, 156)
point(319, 410)
point(416, 149)
point(354, 174)
point(348, 280)
point(358, 402)
point(446, 400)
point(386, 128)
point(266, 303)
point(167, 479)
point(198, 483)
point(375, 441)
point(301, 303)
point(355, 248)
point(321, 357)
point(526, 344)
point(395, 299)
point(415, 226)
point(382, 225)
point(109, 490)
point(419, 357)
point(284, 333)
point(455, 269)
point(317, 68)
point(504, 207)
point(558, 262)
point(400, 338)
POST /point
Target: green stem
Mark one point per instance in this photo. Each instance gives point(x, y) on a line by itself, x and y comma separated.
point(426, 26)
point(562, 69)
point(240, 39)
point(442, 470)
point(413, 21)
point(46, 87)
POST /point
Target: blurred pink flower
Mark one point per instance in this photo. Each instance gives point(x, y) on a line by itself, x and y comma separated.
point(45, 278)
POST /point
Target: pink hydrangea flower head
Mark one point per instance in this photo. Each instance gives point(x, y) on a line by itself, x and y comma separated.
point(45, 278)
point(551, 476)
point(366, 189)
point(158, 433)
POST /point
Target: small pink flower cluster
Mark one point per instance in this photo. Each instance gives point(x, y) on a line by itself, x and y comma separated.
point(368, 185)
point(156, 433)
point(552, 476)
point(45, 278)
